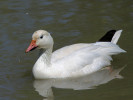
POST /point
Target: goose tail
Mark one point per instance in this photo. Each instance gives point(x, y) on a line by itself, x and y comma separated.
point(111, 36)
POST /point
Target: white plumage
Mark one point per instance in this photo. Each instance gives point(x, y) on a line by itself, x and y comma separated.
point(74, 60)
point(116, 37)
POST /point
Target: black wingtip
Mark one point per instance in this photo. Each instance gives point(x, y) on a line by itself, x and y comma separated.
point(108, 36)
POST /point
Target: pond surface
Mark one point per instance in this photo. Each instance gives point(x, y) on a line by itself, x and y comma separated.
point(69, 22)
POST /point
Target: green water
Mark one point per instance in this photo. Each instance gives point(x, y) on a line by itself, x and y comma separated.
point(69, 22)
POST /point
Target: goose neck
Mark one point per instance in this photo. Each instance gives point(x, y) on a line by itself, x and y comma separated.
point(46, 56)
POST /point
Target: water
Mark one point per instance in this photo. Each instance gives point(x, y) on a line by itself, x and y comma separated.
point(69, 21)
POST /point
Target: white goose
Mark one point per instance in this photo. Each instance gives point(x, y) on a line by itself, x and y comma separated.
point(74, 60)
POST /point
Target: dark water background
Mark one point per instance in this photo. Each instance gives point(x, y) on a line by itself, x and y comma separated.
point(69, 21)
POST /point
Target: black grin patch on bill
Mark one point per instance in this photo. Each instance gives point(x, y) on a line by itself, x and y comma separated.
point(34, 48)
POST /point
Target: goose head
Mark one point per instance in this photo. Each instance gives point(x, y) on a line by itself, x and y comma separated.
point(40, 39)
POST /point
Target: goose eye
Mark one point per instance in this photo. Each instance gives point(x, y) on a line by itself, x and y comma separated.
point(41, 37)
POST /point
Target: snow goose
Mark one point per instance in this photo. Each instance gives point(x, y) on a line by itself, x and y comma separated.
point(74, 60)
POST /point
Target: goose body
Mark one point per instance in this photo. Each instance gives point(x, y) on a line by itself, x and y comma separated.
point(74, 60)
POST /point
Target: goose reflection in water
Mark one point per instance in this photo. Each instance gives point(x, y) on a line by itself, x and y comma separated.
point(44, 87)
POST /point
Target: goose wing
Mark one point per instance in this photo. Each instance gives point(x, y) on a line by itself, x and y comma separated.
point(67, 50)
point(88, 59)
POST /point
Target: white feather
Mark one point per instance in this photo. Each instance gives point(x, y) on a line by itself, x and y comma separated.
point(116, 36)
